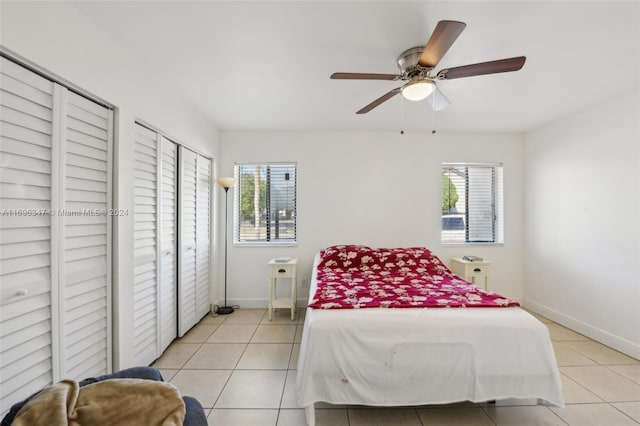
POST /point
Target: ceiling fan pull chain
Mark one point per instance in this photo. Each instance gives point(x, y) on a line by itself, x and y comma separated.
point(401, 115)
point(433, 117)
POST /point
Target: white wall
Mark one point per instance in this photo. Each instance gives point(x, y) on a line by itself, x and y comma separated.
point(57, 37)
point(377, 189)
point(582, 239)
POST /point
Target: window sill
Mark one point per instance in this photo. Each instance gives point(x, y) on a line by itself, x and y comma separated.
point(470, 244)
point(265, 244)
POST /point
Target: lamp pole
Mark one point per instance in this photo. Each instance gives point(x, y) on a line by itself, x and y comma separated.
point(226, 183)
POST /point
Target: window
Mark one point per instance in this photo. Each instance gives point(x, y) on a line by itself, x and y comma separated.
point(472, 204)
point(265, 203)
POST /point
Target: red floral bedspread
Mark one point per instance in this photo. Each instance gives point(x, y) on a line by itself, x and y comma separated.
point(351, 276)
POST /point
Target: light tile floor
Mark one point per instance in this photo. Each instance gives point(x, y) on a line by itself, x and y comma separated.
point(242, 368)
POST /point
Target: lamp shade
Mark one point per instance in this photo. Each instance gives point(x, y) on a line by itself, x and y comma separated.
point(226, 182)
point(418, 90)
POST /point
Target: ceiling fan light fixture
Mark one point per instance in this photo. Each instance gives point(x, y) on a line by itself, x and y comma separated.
point(418, 90)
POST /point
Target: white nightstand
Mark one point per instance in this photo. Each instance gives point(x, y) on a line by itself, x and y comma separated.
point(282, 270)
point(471, 270)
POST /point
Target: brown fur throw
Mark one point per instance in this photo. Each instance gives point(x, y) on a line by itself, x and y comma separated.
point(121, 402)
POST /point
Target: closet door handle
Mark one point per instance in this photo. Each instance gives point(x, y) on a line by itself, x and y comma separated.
point(22, 292)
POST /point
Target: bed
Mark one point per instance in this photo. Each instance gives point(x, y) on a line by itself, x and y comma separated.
point(396, 327)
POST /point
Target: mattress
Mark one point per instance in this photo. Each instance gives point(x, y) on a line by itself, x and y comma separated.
point(419, 356)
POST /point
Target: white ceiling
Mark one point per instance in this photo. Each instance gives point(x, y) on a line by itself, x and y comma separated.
point(262, 65)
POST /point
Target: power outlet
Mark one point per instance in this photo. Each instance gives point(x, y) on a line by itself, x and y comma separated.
point(305, 282)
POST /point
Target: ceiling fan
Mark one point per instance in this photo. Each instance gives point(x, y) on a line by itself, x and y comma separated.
point(417, 63)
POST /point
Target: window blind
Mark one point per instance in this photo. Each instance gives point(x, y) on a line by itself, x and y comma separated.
point(265, 203)
point(472, 203)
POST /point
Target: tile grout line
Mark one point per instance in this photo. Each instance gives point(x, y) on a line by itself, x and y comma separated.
point(625, 414)
point(234, 368)
point(583, 387)
point(558, 416)
point(488, 416)
point(240, 357)
point(620, 374)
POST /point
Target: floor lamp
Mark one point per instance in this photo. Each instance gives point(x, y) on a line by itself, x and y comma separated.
point(225, 183)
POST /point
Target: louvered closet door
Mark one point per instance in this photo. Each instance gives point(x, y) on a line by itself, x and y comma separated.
point(26, 269)
point(145, 244)
point(55, 150)
point(155, 242)
point(203, 236)
point(187, 315)
point(168, 288)
point(85, 246)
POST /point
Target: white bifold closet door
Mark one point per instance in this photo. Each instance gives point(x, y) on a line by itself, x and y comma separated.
point(203, 235)
point(172, 241)
point(145, 246)
point(55, 234)
point(155, 239)
point(85, 243)
point(168, 243)
point(195, 237)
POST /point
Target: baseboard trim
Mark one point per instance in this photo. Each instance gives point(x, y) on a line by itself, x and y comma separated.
point(616, 342)
point(256, 303)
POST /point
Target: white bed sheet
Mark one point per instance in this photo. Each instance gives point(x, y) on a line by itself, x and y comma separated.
point(418, 356)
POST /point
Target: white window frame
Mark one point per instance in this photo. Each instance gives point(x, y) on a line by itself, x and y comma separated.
point(492, 205)
point(237, 200)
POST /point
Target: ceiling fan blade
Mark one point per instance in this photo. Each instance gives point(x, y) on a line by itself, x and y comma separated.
point(443, 37)
point(380, 100)
point(438, 100)
point(363, 76)
point(491, 67)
